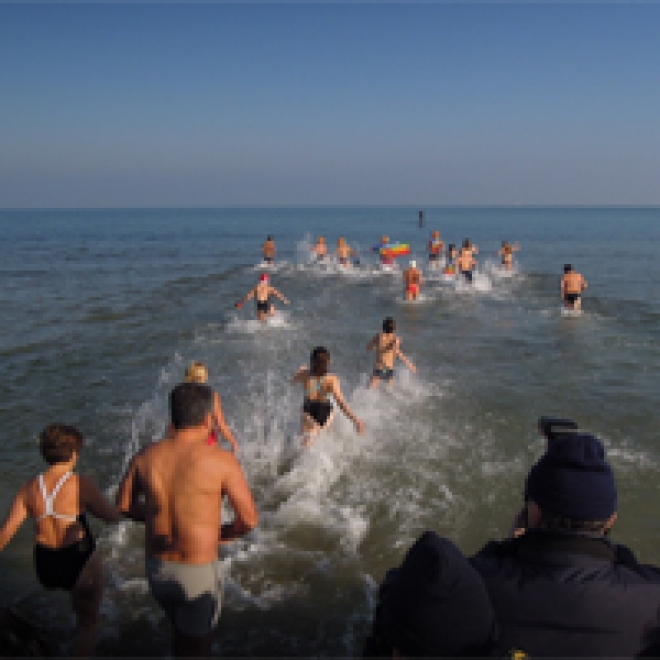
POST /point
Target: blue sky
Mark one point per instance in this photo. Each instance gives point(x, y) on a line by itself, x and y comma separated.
point(329, 104)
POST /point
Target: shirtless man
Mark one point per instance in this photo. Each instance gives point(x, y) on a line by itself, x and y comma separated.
point(388, 348)
point(506, 253)
point(572, 286)
point(269, 250)
point(466, 262)
point(412, 279)
point(262, 292)
point(320, 249)
point(385, 259)
point(344, 252)
point(175, 487)
point(435, 250)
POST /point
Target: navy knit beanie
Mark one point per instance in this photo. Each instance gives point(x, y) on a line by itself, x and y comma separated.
point(573, 479)
point(437, 604)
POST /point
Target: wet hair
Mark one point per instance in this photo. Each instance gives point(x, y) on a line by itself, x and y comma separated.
point(57, 442)
point(568, 268)
point(190, 403)
point(318, 361)
point(389, 325)
point(196, 373)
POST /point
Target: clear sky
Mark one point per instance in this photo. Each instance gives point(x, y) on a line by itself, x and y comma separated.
point(329, 104)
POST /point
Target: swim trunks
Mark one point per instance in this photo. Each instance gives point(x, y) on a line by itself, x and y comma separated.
point(190, 594)
point(434, 256)
point(343, 261)
point(384, 374)
point(413, 289)
point(572, 297)
point(60, 568)
point(268, 260)
point(263, 306)
point(467, 274)
point(319, 411)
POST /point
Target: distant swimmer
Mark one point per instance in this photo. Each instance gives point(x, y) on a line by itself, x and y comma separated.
point(269, 250)
point(412, 280)
point(320, 249)
point(344, 252)
point(572, 286)
point(197, 373)
point(436, 246)
point(386, 259)
point(466, 262)
point(451, 256)
point(506, 254)
point(388, 348)
point(317, 412)
point(263, 292)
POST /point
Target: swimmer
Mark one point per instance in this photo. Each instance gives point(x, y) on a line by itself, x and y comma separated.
point(506, 253)
point(412, 279)
point(388, 348)
point(466, 262)
point(572, 286)
point(320, 249)
point(197, 373)
point(451, 256)
point(65, 553)
point(262, 292)
point(385, 259)
point(344, 252)
point(269, 250)
point(435, 250)
point(317, 412)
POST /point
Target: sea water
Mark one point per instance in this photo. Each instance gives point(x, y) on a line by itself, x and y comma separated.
point(104, 309)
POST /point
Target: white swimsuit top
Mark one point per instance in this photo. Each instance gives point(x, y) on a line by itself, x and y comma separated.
point(49, 499)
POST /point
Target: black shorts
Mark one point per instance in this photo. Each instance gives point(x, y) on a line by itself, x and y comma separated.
point(268, 260)
point(434, 257)
point(263, 306)
point(467, 274)
point(319, 411)
point(572, 297)
point(384, 374)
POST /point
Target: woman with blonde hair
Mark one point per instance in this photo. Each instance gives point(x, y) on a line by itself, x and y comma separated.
point(65, 554)
point(198, 373)
point(317, 412)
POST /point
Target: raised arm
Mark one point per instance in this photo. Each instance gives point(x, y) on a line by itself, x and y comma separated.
point(96, 503)
point(405, 360)
point(241, 500)
point(277, 294)
point(336, 393)
point(300, 375)
point(129, 494)
point(17, 514)
point(222, 424)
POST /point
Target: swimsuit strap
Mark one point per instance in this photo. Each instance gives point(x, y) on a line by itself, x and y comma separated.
point(49, 499)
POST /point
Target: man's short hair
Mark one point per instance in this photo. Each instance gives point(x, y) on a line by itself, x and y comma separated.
point(190, 403)
point(389, 325)
point(57, 442)
point(568, 268)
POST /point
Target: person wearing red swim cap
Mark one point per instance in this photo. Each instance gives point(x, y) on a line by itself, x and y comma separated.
point(262, 293)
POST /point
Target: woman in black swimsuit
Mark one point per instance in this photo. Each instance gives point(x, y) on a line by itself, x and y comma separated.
point(317, 412)
point(65, 554)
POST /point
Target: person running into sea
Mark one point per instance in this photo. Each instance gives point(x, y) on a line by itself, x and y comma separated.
point(262, 293)
point(65, 554)
point(320, 250)
point(269, 250)
point(317, 413)
point(436, 246)
point(344, 252)
point(506, 253)
point(412, 279)
point(572, 286)
point(466, 262)
point(388, 348)
point(176, 488)
point(451, 256)
point(198, 373)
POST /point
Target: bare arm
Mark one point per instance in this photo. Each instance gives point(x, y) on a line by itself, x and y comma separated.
point(95, 502)
point(373, 343)
point(17, 514)
point(129, 494)
point(405, 360)
point(249, 295)
point(300, 375)
point(277, 294)
point(222, 425)
point(336, 393)
point(241, 500)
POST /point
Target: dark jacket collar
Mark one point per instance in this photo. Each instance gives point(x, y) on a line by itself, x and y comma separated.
point(549, 543)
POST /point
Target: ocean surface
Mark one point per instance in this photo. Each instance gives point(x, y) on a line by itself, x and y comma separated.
point(102, 310)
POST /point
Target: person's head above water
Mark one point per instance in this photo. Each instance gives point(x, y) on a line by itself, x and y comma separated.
point(321, 239)
point(436, 234)
point(269, 238)
point(263, 277)
point(568, 268)
point(467, 243)
point(196, 373)
point(389, 325)
point(385, 239)
point(341, 241)
point(318, 361)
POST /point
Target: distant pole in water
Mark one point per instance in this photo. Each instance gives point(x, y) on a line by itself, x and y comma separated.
point(421, 219)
